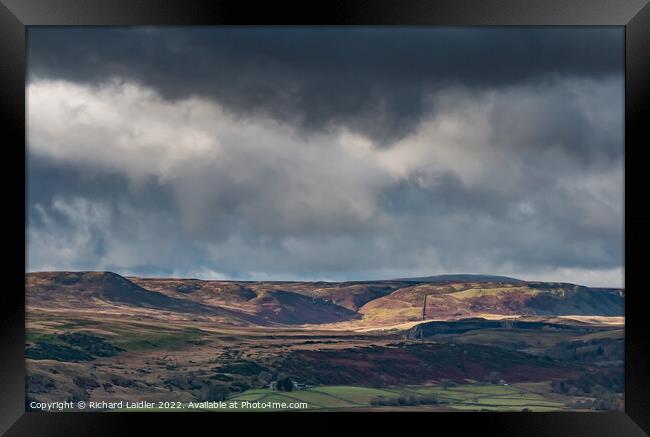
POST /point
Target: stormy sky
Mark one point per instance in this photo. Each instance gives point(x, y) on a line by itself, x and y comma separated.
point(326, 153)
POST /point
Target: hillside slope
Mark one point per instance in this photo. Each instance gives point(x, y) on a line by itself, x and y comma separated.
point(312, 303)
point(111, 293)
point(454, 300)
point(270, 301)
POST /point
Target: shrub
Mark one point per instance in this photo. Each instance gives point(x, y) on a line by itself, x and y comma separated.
point(446, 383)
point(85, 382)
point(380, 400)
point(214, 393)
point(609, 403)
point(404, 400)
point(246, 368)
point(493, 378)
point(597, 383)
point(285, 384)
point(120, 381)
point(91, 344)
point(50, 351)
point(39, 383)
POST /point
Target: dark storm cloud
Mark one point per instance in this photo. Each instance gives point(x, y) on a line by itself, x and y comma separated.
point(367, 79)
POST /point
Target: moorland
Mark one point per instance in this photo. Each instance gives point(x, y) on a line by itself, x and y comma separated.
point(451, 342)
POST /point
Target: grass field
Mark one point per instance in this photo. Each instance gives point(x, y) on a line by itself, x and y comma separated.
point(129, 336)
point(472, 293)
point(469, 397)
point(462, 397)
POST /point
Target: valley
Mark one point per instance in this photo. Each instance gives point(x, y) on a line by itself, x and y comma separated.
point(437, 343)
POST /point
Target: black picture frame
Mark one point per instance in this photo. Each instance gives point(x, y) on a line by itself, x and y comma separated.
point(634, 15)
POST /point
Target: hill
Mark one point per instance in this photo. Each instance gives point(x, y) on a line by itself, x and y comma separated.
point(101, 336)
point(186, 299)
point(312, 303)
point(462, 299)
point(111, 293)
point(462, 278)
point(271, 301)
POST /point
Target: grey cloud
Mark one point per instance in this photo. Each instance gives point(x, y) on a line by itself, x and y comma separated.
point(513, 168)
point(368, 79)
point(581, 118)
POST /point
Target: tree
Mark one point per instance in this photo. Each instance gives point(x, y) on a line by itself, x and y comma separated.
point(493, 378)
point(285, 384)
point(446, 383)
point(214, 393)
point(264, 377)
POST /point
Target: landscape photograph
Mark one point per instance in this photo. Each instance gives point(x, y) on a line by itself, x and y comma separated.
point(318, 219)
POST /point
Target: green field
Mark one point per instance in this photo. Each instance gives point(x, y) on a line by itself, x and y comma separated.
point(469, 397)
point(129, 336)
point(170, 339)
